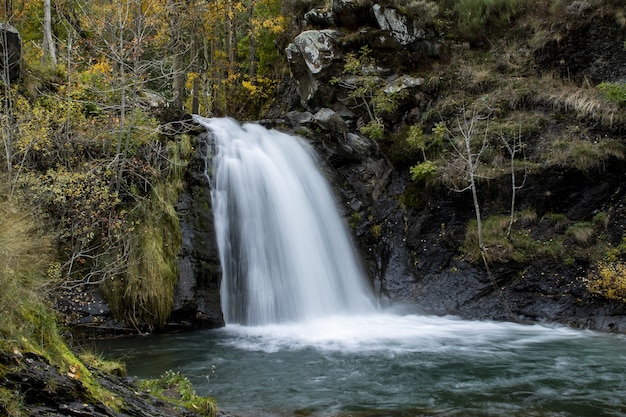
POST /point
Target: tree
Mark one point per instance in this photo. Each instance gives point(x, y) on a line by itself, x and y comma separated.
point(10, 48)
point(49, 49)
point(365, 91)
point(466, 148)
point(513, 146)
point(177, 51)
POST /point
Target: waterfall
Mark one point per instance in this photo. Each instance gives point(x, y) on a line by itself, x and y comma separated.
point(285, 252)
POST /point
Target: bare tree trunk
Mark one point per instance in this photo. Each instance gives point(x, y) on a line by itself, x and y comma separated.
point(251, 41)
point(513, 149)
point(122, 75)
point(472, 161)
point(8, 10)
point(177, 48)
point(49, 50)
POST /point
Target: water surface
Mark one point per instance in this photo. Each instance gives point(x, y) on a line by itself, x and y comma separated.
point(390, 365)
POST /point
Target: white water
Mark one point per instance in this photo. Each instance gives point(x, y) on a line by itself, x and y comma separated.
point(284, 251)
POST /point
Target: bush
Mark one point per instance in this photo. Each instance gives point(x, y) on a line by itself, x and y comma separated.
point(423, 171)
point(609, 280)
point(373, 130)
point(475, 17)
point(614, 92)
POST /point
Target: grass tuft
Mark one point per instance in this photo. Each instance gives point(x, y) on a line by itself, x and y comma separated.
point(174, 387)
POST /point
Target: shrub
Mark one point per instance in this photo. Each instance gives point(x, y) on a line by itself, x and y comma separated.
point(609, 280)
point(423, 171)
point(614, 92)
point(373, 130)
point(475, 16)
point(28, 324)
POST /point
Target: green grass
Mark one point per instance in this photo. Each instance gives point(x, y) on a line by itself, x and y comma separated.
point(474, 18)
point(567, 241)
point(176, 388)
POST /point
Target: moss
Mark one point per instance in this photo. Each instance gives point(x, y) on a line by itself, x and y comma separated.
point(144, 295)
point(412, 196)
point(175, 388)
point(355, 220)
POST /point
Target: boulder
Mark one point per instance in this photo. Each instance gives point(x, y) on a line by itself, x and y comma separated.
point(10, 52)
point(403, 29)
point(402, 83)
point(319, 18)
point(310, 57)
point(331, 121)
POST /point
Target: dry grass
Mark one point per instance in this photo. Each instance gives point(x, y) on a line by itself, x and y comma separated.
point(583, 233)
point(582, 154)
point(145, 294)
point(585, 102)
point(23, 262)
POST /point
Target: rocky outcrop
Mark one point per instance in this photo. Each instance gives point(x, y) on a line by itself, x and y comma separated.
point(197, 296)
point(314, 56)
point(411, 250)
point(10, 52)
point(397, 41)
point(46, 390)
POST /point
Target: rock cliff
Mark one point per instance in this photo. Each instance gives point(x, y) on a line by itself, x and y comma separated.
point(410, 232)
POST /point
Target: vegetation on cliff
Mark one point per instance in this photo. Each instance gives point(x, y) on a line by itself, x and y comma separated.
point(510, 101)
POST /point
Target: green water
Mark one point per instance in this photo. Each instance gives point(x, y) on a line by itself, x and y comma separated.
point(387, 365)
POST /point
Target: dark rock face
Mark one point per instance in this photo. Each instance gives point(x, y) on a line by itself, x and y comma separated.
point(10, 52)
point(588, 49)
point(197, 296)
point(411, 252)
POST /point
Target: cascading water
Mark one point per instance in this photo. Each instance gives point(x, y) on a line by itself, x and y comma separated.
point(284, 250)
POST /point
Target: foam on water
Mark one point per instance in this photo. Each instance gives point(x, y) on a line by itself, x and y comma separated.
point(386, 332)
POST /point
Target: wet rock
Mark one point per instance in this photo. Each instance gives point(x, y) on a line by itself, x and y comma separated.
point(197, 294)
point(47, 390)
